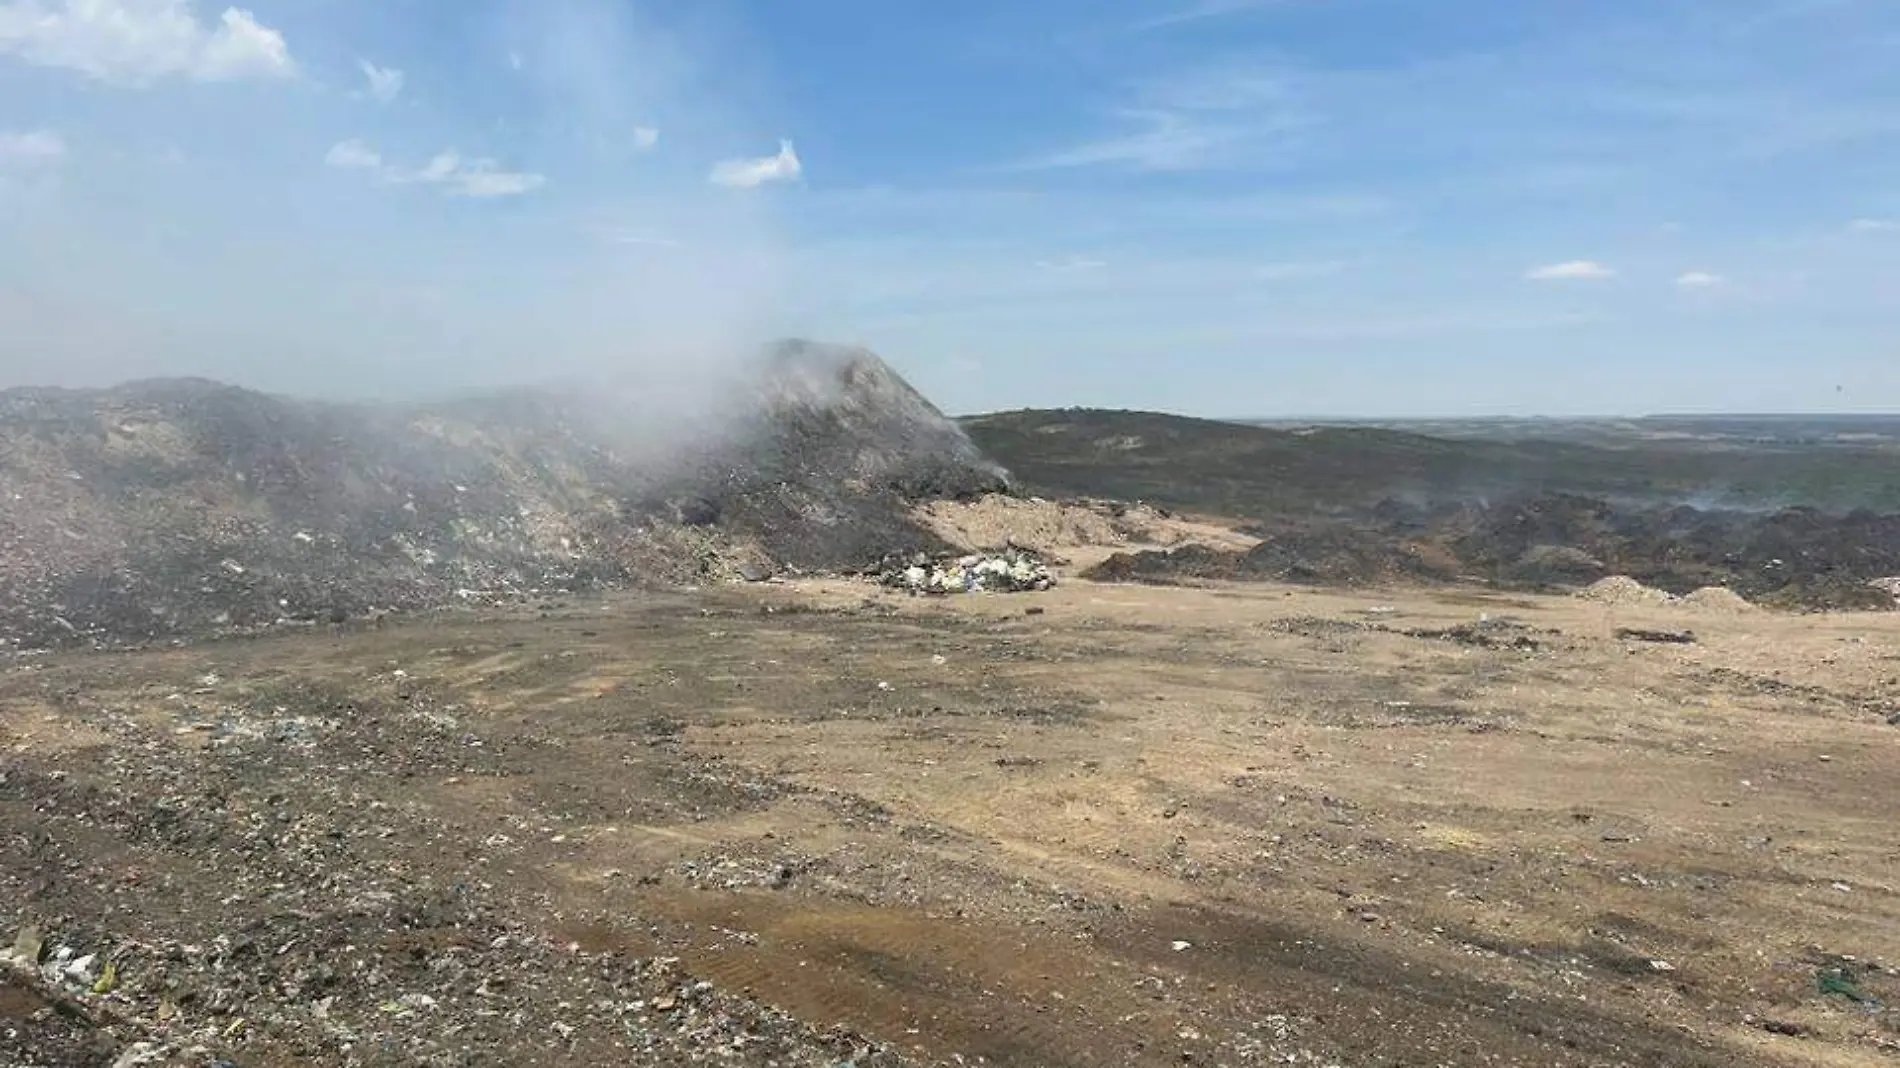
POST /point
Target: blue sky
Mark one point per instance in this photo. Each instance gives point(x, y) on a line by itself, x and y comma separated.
point(1380, 207)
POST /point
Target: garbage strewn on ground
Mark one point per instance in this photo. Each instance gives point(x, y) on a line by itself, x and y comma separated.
point(1014, 571)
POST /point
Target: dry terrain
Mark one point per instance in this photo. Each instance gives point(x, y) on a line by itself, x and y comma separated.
point(820, 823)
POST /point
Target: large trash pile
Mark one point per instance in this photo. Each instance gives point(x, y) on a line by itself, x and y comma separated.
point(168, 509)
point(1014, 571)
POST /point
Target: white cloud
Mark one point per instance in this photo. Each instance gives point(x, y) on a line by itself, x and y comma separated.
point(478, 178)
point(31, 149)
point(140, 41)
point(484, 178)
point(750, 173)
point(354, 155)
point(1574, 270)
point(1875, 226)
point(1203, 9)
point(1199, 120)
point(385, 83)
point(1700, 280)
point(514, 60)
point(645, 137)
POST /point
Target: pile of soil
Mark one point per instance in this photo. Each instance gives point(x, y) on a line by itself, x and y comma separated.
point(1718, 601)
point(162, 509)
point(1319, 553)
point(999, 521)
point(1620, 590)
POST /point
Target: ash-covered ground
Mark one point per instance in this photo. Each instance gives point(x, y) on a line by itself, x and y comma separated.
point(1796, 558)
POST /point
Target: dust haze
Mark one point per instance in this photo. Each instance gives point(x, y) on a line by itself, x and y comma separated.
point(626, 277)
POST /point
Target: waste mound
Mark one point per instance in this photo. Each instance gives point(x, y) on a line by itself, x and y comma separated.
point(1010, 572)
point(166, 508)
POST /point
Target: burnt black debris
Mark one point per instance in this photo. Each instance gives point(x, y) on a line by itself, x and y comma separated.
point(1659, 637)
point(164, 509)
point(1794, 557)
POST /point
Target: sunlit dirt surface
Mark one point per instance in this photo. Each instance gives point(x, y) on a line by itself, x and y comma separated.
point(1218, 826)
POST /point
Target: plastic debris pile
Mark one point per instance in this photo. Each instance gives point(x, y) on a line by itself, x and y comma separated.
point(1015, 571)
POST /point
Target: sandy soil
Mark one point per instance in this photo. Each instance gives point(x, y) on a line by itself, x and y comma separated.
point(1218, 826)
point(1079, 533)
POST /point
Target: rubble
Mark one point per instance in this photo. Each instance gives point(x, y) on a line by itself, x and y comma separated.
point(1661, 637)
point(1014, 571)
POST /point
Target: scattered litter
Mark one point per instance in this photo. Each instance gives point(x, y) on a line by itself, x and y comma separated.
point(1179, 945)
point(1014, 571)
point(1889, 586)
point(1661, 966)
point(1839, 982)
point(80, 971)
point(1664, 637)
point(139, 1054)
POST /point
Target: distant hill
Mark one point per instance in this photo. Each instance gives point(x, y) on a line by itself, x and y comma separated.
point(1250, 470)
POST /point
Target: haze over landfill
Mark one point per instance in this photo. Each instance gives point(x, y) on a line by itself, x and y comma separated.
point(1410, 572)
point(1228, 209)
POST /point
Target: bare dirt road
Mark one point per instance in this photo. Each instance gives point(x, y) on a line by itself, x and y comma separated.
point(1216, 826)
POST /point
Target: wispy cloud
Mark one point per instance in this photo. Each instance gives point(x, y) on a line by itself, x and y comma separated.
point(136, 42)
point(645, 138)
point(1194, 121)
point(31, 149)
point(1202, 10)
point(1071, 264)
point(1875, 226)
point(751, 173)
point(353, 155)
point(478, 178)
point(1571, 271)
point(621, 236)
point(1298, 269)
point(1700, 280)
point(385, 83)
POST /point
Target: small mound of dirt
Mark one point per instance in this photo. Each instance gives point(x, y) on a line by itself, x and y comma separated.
point(1718, 600)
point(1623, 590)
point(998, 521)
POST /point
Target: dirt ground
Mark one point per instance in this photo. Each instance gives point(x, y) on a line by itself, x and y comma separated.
point(1215, 826)
point(1078, 532)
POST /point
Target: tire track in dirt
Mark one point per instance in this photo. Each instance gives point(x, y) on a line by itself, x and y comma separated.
point(1370, 997)
point(944, 984)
